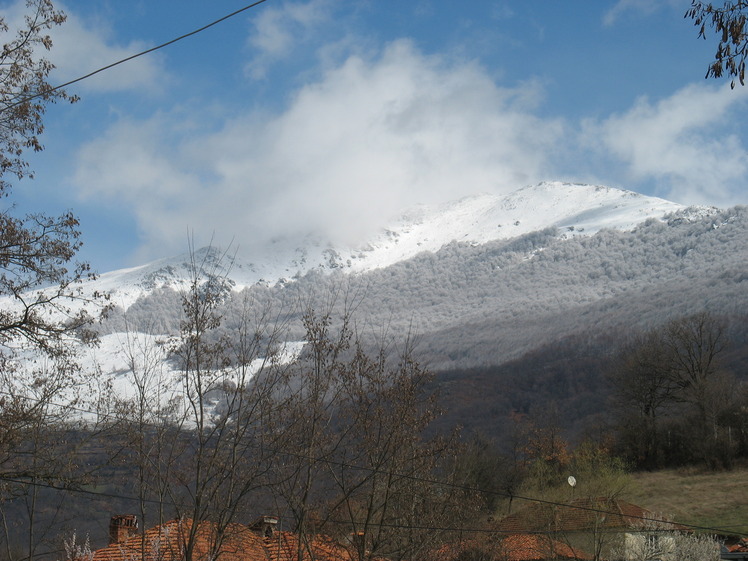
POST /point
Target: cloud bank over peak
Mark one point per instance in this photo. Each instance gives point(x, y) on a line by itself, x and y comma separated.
point(369, 138)
point(672, 141)
point(355, 133)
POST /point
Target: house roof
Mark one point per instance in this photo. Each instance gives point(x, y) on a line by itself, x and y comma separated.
point(283, 546)
point(514, 547)
point(578, 515)
point(533, 547)
point(166, 542)
point(741, 546)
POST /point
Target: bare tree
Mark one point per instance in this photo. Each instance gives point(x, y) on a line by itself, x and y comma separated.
point(41, 318)
point(694, 346)
point(230, 391)
point(144, 430)
point(643, 391)
point(356, 463)
point(657, 538)
point(76, 550)
point(385, 475)
point(24, 90)
point(729, 22)
point(675, 370)
point(35, 250)
point(482, 466)
point(545, 451)
point(309, 422)
point(42, 440)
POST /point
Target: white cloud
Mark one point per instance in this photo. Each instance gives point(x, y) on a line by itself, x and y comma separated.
point(501, 11)
point(368, 139)
point(277, 31)
point(674, 143)
point(82, 46)
point(128, 164)
point(643, 7)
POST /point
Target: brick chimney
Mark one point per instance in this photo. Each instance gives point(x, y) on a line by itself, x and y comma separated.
point(358, 541)
point(264, 525)
point(121, 527)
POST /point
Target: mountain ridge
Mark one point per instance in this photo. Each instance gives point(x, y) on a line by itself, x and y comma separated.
point(606, 264)
point(574, 209)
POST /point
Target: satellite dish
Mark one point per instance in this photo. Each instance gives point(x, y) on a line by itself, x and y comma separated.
point(572, 481)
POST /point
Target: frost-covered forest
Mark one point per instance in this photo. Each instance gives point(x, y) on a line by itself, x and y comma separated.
point(413, 398)
point(483, 305)
point(518, 326)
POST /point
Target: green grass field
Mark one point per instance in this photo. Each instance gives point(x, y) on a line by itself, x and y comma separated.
point(715, 500)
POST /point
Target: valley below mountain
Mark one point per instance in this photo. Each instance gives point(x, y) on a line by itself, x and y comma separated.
point(518, 306)
point(514, 303)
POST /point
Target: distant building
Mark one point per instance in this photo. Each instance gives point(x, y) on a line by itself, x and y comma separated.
point(259, 541)
point(515, 547)
point(607, 528)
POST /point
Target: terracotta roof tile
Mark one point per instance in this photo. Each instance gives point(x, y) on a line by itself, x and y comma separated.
point(283, 546)
point(167, 543)
point(531, 547)
point(514, 547)
point(740, 547)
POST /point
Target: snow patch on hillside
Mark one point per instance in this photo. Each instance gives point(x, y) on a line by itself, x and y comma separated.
point(121, 360)
point(133, 360)
point(122, 366)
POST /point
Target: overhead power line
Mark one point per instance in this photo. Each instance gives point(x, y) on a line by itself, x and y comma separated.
point(345, 465)
point(392, 525)
point(137, 55)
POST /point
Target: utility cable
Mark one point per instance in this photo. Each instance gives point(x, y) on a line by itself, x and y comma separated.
point(345, 465)
point(391, 525)
point(132, 57)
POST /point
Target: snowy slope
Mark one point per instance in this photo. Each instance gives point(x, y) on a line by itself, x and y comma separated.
point(574, 209)
point(119, 367)
point(124, 363)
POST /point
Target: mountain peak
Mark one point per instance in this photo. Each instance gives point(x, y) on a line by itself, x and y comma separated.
point(574, 209)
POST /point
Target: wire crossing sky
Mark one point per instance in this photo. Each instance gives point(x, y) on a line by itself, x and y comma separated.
point(143, 53)
point(109, 417)
point(331, 116)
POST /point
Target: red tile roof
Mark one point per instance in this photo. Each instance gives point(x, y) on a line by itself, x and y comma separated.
point(514, 547)
point(739, 547)
point(239, 543)
point(283, 546)
point(530, 547)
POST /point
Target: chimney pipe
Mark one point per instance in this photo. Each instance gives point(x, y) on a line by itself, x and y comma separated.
point(264, 526)
point(121, 527)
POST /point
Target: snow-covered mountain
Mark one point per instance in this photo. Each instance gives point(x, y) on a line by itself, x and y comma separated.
point(576, 210)
point(483, 281)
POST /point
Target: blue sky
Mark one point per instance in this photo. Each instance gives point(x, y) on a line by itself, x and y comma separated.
point(332, 115)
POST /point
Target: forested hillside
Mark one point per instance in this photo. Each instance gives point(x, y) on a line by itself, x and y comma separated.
point(525, 337)
point(526, 326)
point(388, 392)
point(481, 305)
